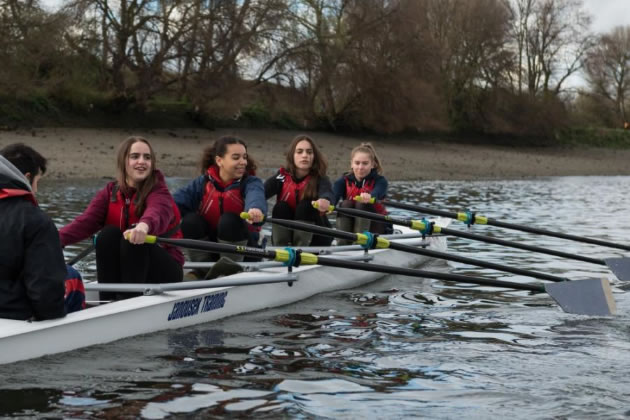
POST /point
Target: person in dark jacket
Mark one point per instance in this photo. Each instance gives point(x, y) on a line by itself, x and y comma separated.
point(211, 204)
point(32, 268)
point(362, 188)
point(299, 186)
point(124, 212)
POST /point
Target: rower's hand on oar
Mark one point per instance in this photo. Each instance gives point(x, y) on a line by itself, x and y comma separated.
point(365, 197)
point(323, 206)
point(138, 234)
point(254, 216)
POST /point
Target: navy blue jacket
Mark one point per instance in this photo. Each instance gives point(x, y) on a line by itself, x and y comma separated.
point(380, 185)
point(188, 198)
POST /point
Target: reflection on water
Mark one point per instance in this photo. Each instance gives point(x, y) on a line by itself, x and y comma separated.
point(398, 347)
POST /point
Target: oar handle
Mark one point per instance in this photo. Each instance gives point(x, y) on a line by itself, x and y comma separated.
point(246, 216)
point(358, 198)
point(330, 208)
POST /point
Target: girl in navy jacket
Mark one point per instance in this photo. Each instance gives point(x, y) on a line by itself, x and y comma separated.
point(357, 188)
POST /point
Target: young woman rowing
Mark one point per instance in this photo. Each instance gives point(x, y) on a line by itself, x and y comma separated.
point(297, 186)
point(125, 211)
point(211, 204)
point(358, 187)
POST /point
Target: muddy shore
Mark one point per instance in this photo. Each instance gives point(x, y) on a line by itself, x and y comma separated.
point(75, 153)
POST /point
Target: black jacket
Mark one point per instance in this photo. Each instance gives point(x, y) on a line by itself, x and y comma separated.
point(32, 268)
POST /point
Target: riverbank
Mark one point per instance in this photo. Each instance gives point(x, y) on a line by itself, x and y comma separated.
point(90, 153)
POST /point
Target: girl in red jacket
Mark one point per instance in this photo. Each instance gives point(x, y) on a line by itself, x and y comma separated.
point(138, 203)
point(297, 186)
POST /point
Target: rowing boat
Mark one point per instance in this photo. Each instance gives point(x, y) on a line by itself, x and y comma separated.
point(167, 306)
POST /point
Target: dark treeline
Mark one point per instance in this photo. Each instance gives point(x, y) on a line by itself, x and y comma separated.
point(472, 66)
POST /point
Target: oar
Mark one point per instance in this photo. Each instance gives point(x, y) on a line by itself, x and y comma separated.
point(619, 266)
point(586, 297)
point(380, 242)
point(82, 254)
point(472, 218)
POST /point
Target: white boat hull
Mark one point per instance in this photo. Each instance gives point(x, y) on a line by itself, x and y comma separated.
point(21, 340)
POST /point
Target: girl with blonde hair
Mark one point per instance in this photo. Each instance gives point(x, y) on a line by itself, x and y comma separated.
point(357, 188)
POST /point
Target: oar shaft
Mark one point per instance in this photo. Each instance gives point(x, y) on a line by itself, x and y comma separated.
point(217, 247)
point(570, 294)
point(320, 230)
point(472, 236)
point(560, 235)
point(472, 261)
point(82, 254)
point(412, 272)
point(421, 209)
point(518, 245)
point(513, 226)
point(335, 262)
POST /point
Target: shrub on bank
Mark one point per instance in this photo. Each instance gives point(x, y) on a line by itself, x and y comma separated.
point(594, 137)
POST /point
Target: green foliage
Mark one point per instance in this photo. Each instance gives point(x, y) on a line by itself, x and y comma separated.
point(80, 99)
point(27, 110)
point(287, 121)
point(256, 115)
point(40, 104)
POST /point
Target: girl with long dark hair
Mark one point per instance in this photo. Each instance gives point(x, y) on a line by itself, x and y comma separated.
point(299, 186)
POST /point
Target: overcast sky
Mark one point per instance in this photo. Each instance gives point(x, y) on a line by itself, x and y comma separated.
point(608, 13)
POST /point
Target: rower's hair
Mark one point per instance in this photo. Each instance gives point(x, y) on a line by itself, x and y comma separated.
point(219, 148)
point(318, 169)
point(25, 158)
point(369, 149)
point(147, 185)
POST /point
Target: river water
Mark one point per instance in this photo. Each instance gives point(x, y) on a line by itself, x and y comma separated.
point(395, 348)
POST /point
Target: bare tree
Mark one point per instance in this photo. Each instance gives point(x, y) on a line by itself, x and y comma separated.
point(318, 44)
point(31, 43)
point(551, 38)
point(135, 40)
point(224, 47)
point(391, 69)
point(471, 38)
point(608, 70)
